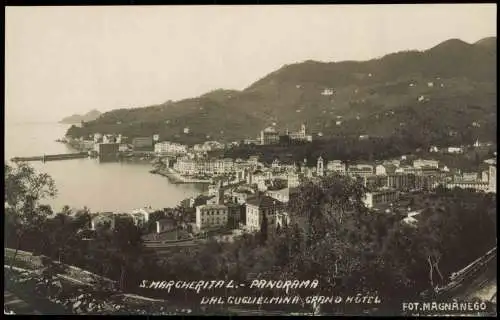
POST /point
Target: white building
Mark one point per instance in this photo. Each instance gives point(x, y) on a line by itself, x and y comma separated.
point(260, 206)
point(319, 167)
point(476, 185)
point(419, 163)
point(373, 199)
point(491, 161)
point(469, 176)
point(485, 176)
point(327, 92)
point(336, 166)
point(455, 150)
point(211, 215)
point(293, 180)
point(97, 137)
point(433, 149)
point(166, 147)
point(123, 147)
point(380, 170)
point(300, 135)
point(492, 184)
point(145, 212)
point(282, 195)
point(361, 170)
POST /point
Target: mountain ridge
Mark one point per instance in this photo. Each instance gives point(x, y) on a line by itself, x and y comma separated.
point(77, 118)
point(461, 74)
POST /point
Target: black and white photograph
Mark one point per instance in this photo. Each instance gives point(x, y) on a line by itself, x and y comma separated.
point(248, 160)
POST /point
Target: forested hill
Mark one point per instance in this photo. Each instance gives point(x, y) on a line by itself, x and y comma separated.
point(77, 118)
point(448, 90)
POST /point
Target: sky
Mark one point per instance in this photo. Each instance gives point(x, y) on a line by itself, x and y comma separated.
point(65, 60)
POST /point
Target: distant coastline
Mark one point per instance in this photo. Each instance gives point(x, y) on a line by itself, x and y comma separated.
point(77, 118)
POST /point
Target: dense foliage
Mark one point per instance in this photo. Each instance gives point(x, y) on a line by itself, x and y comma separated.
point(331, 237)
point(351, 149)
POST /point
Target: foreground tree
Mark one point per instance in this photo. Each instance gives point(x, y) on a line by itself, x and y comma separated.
point(24, 189)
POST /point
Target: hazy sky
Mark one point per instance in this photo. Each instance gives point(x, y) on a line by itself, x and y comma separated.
point(65, 60)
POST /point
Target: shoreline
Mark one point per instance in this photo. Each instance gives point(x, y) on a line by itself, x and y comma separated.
point(176, 178)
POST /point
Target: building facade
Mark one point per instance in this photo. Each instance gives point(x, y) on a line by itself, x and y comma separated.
point(319, 167)
point(166, 147)
point(360, 170)
point(374, 199)
point(336, 166)
point(419, 163)
point(492, 184)
point(269, 136)
point(260, 206)
point(142, 143)
point(476, 185)
point(211, 216)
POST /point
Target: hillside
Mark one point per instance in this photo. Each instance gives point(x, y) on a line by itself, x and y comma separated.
point(447, 90)
point(77, 119)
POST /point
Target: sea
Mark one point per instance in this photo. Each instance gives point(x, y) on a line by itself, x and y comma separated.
point(101, 187)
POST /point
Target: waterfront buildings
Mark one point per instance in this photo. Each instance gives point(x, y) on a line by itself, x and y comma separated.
point(189, 167)
point(107, 151)
point(123, 147)
point(172, 148)
point(142, 143)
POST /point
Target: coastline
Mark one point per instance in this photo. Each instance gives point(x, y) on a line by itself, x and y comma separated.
point(177, 178)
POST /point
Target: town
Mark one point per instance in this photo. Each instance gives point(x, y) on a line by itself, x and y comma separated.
point(242, 191)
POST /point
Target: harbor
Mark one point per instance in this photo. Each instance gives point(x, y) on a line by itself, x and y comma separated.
point(52, 157)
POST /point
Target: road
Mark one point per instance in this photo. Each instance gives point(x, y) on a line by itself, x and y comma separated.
point(17, 305)
point(480, 284)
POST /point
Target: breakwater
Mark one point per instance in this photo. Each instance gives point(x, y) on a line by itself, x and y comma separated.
point(53, 157)
point(177, 178)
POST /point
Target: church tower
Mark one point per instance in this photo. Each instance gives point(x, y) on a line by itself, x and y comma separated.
point(303, 129)
point(319, 167)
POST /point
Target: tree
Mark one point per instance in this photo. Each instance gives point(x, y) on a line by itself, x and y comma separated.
point(127, 244)
point(24, 189)
point(263, 228)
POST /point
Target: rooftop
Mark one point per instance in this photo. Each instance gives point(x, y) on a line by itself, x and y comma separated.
point(212, 206)
point(264, 201)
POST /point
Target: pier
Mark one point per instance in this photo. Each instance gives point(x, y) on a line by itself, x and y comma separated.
point(52, 157)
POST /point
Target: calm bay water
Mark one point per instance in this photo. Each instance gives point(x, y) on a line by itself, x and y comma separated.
point(86, 182)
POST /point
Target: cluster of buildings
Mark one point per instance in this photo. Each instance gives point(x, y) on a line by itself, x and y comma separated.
point(138, 216)
point(259, 193)
point(271, 136)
